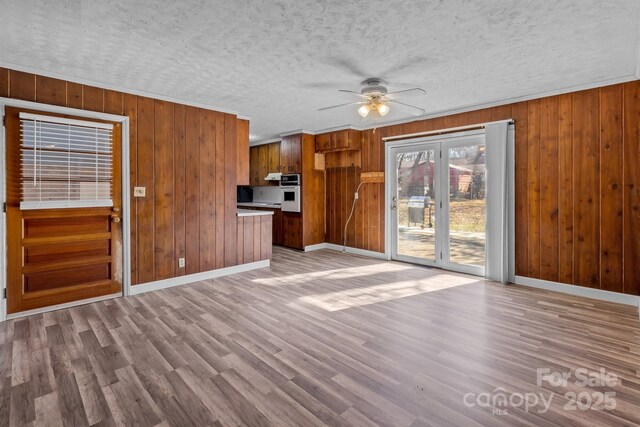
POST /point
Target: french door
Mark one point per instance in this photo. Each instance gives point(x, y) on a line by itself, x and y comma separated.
point(437, 204)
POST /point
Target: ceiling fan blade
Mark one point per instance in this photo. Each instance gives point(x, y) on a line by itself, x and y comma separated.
point(346, 65)
point(340, 105)
point(320, 85)
point(401, 66)
point(415, 89)
point(353, 92)
point(417, 110)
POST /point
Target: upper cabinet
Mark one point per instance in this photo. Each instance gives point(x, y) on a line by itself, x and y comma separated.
point(265, 159)
point(291, 154)
point(347, 139)
point(243, 175)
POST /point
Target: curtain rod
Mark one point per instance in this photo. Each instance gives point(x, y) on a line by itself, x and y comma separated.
point(443, 131)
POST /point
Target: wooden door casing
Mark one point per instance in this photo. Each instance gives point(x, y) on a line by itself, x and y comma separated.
point(56, 256)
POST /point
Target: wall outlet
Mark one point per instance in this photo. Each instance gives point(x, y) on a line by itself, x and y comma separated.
point(181, 262)
point(139, 191)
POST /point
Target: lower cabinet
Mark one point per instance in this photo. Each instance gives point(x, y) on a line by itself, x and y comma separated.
point(286, 228)
point(277, 227)
point(292, 230)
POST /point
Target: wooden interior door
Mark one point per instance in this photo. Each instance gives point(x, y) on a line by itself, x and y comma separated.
point(61, 255)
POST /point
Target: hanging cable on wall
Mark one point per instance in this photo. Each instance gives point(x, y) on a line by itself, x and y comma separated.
point(365, 178)
point(353, 207)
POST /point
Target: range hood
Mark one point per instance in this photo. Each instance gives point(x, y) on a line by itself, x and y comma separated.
point(273, 176)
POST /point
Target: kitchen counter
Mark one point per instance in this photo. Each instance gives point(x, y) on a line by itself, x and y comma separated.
point(270, 205)
point(249, 212)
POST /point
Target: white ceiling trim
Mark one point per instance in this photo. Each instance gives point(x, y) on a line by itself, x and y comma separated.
point(87, 82)
point(473, 107)
point(297, 132)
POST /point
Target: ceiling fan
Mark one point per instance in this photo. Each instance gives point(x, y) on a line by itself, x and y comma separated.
point(375, 97)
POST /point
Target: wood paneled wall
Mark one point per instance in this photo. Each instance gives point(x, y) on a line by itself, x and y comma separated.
point(184, 156)
point(577, 186)
point(313, 194)
point(254, 237)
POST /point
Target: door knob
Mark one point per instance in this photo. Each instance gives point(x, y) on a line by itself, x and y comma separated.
point(393, 208)
point(115, 219)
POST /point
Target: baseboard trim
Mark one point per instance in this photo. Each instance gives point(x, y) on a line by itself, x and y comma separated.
point(196, 277)
point(316, 247)
point(61, 306)
point(356, 251)
point(580, 291)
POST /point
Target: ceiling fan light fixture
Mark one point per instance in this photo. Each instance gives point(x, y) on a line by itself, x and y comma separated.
point(383, 109)
point(364, 110)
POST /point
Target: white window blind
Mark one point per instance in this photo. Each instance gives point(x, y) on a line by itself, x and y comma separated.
point(65, 163)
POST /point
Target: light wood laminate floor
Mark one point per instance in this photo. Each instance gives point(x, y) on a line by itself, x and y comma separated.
point(319, 338)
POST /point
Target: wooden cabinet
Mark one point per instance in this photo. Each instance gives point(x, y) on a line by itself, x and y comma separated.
point(264, 159)
point(347, 139)
point(291, 154)
point(323, 142)
point(277, 227)
point(284, 157)
point(254, 166)
point(292, 230)
point(273, 157)
point(243, 175)
point(294, 154)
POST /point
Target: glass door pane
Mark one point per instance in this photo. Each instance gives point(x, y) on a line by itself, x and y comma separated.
point(415, 204)
point(467, 207)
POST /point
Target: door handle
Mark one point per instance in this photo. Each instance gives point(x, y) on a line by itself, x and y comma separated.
point(115, 219)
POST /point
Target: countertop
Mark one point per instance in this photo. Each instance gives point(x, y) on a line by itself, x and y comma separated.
point(248, 212)
point(270, 205)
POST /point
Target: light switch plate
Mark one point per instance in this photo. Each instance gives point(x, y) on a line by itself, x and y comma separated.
point(139, 191)
point(181, 262)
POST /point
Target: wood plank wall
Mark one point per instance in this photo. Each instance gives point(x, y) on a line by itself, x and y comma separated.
point(577, 186)
point(254, 237)
point(186, 159)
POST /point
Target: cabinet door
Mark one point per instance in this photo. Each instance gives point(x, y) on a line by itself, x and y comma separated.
point(291, 154)
point(277, 227)
point(340, 140)
point(254, 166)
point(323, 142)
point(274, 157)
point(292, 230)
point(295, 157)
point(263, 159)
point(285, 153)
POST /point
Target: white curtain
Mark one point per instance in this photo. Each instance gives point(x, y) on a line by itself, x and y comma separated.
point(498, 184)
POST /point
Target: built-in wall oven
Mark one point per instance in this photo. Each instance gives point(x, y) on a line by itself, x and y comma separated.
point(290, 188)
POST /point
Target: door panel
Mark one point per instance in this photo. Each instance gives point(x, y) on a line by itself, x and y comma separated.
point(467, 205)
point(415, 205)
point(60, 255)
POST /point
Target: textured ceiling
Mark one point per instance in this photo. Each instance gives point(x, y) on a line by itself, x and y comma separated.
point(279, 61)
